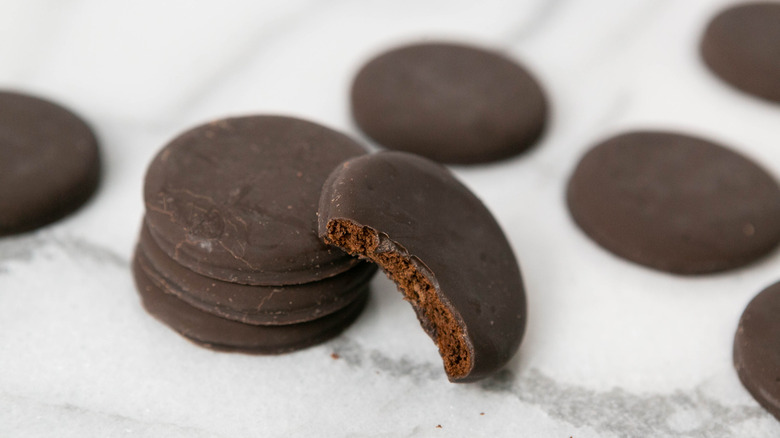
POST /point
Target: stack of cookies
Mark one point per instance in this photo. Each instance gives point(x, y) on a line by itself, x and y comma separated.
point(229, 254)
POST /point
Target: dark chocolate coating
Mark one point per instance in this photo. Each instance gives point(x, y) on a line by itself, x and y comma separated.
point(223, 334)
point(757, 349)
point(236, 199)
point(675, 203)
point(258, 305)
point(741, 46)
point(448, 102)
point(49, 162)
point(420, 208)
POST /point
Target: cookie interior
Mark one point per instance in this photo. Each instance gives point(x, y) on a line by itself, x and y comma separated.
point(436, 318)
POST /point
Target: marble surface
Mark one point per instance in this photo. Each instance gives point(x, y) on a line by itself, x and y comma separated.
point(612, 349)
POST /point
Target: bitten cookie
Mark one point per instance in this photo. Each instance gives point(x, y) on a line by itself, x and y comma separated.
point(441, 246)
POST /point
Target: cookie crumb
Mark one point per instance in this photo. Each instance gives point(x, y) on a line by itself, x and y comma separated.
point(438, 426)
point(335, 356)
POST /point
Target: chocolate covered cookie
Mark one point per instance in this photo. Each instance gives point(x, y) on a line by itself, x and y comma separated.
point(259, 305)
point(757, 349)
point(741, 46)
point(219, 333)
point(49, 162)
point(441, 246)
point(675, 202)
point(451, 103)
point(236, 199)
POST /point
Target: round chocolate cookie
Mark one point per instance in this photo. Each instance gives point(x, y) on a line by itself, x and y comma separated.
point(675, 203)
point(450, 103)
point(757, 349)
point(259, 305)
point(441, 246)
point(236, 199)
point(223, 334)
point(49, 162)
point(741, 46)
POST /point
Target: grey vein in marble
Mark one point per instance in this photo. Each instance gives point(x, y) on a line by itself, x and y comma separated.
point(619, 105)
point(616, 412)
point(36, 417)
point(239, 61)
point(623, 413)
point(358, 356)
point(531, 25)
point(18, 248)
point(631, 30)
point(23, 248)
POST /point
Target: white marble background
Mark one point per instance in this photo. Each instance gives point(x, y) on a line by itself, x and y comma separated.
point(612, 349)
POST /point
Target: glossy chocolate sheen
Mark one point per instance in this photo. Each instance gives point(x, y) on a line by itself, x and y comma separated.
point(421, 211)
point(236, 199)
point(222, 334)
point(741, 46)
point(449, 102)
point(49, 162)
point(259, 305)
point(676, 203)
point(757, 349)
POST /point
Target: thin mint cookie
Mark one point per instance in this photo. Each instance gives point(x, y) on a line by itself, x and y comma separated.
point(443, 249)
point(448, 102)
point(757, 349)
point(49, 162)
point(742, 46)
point(236, 199)
point(222, 334)
point(675, 203)
point(258, 305)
